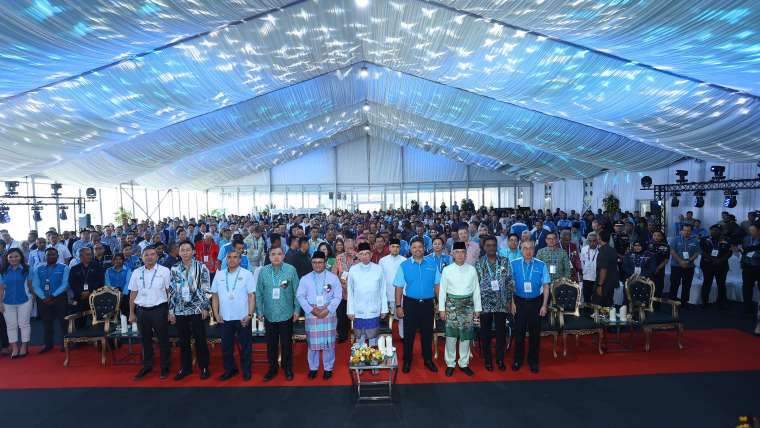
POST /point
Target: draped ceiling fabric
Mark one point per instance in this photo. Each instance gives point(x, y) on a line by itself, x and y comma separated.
point(195, 93)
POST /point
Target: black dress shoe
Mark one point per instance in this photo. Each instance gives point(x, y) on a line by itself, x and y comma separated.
point(501, 365)
point(247, 376)
point(534, 368)
point(516, 366)
point(468, 371)
point(327, 374)
point(407, 367)
point(312, 374)
point(288, 373)
point(449, 371)
point(431, 366)
point(182, 374)
point(228, 375)
point(205, 374)
point(142, 372)
point(45, 349)
point(489, 367)
point(164, 374)
point(270, 374)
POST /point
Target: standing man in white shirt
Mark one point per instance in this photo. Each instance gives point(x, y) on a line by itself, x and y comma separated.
point(589, 252)
point(367, 296)
point(234, 303)
point(148, 306)
point(389, 264)
point(64, 255)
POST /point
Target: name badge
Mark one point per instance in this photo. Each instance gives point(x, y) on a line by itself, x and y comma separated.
point(320, 300)
point(528, 286)
point(750, 254)
point(85, 287)
point(186, 294)
point(47, 286)
point(552, 269)
point(685, 254)
point(232, 295)
point(205, 259)
point(494, 285)
point(637, 270)
point(275, 294)
point(714, 253)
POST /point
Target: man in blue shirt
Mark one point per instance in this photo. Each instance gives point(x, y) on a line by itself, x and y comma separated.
point(683, 251)
point(538, 234)
point(531, 298)
point(49, 283)
point(416, 283)
point(427, 241)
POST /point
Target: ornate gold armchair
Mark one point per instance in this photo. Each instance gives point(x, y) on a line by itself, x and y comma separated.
point(566, 305)
point(640, 293)
point(104, 311)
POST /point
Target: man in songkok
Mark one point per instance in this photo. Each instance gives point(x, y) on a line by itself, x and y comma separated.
point(319, 294)
point(367, 296)
point(459, 306)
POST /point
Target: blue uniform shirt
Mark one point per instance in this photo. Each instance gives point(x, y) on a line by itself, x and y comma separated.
point(426, 241)
point(417, 279)
point(441, 261)
point(680, 245)
point(119, 279)
point(58, 275)
point(14, 282)
point(509, 253)
point(536, 272)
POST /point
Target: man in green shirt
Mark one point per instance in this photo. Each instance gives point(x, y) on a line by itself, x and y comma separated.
point(555, 258)
point(278, 307)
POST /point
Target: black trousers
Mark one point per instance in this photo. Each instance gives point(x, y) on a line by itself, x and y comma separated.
point(489, 320)
point(279, 338)
point(750, 280)
point(154, 320)
point(230, 330)
point(682, 277)
point(50, 313)
point(719, 275)
point(527, 318)
point(3, 333)
point(192, 326)
point(418, 315)
point(343, 323)
point(588, 290)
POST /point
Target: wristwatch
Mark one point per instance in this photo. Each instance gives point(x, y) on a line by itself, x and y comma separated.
point(398, 306)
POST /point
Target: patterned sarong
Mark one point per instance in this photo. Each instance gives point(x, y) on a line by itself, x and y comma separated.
point(459, 312)
point(320, 332)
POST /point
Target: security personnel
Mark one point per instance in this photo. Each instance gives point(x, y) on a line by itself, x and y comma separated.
point(621, 242)
point(750, 264)
point(661, 250)
point(714, 264)
point(416, 282)
point(638, 261)
point(531, 301)
point(684, 250)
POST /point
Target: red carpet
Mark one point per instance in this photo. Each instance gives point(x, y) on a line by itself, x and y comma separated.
point(705, 351)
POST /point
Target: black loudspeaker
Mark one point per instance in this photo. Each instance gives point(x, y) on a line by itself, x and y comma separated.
point(84, 221)
point(655, 209)
point(331, 195)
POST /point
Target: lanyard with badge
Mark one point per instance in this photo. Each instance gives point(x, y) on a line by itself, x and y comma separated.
point(50, 272)
point(714, 252)
point(142, 278)
point(637, 261)
point(85, 274)
point(320, 289)
point(684, 253)
point(495, 276)
point(527, 284)
point(231, 293)
point(276, 284)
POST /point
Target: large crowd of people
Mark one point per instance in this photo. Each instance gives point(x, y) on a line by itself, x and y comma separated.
point(347, 273)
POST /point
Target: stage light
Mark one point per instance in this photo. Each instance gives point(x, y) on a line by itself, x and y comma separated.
point(729, 198)
point(718, 172)
point(5, 216)
point(37, 217)
point(646, 182)
point(56, 187)
point(364, 72)
point(674, 200)
point(365, 107)
point(681, 174)
point(362, 3)
point(10, 188)
point(62, 213)
point(366, 128)
point(91, 193)
point(700, 202)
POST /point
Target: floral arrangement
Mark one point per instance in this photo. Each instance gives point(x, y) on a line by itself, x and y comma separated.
point(363, 355)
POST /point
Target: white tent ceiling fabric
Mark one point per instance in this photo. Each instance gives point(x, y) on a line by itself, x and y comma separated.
point(189, 93)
